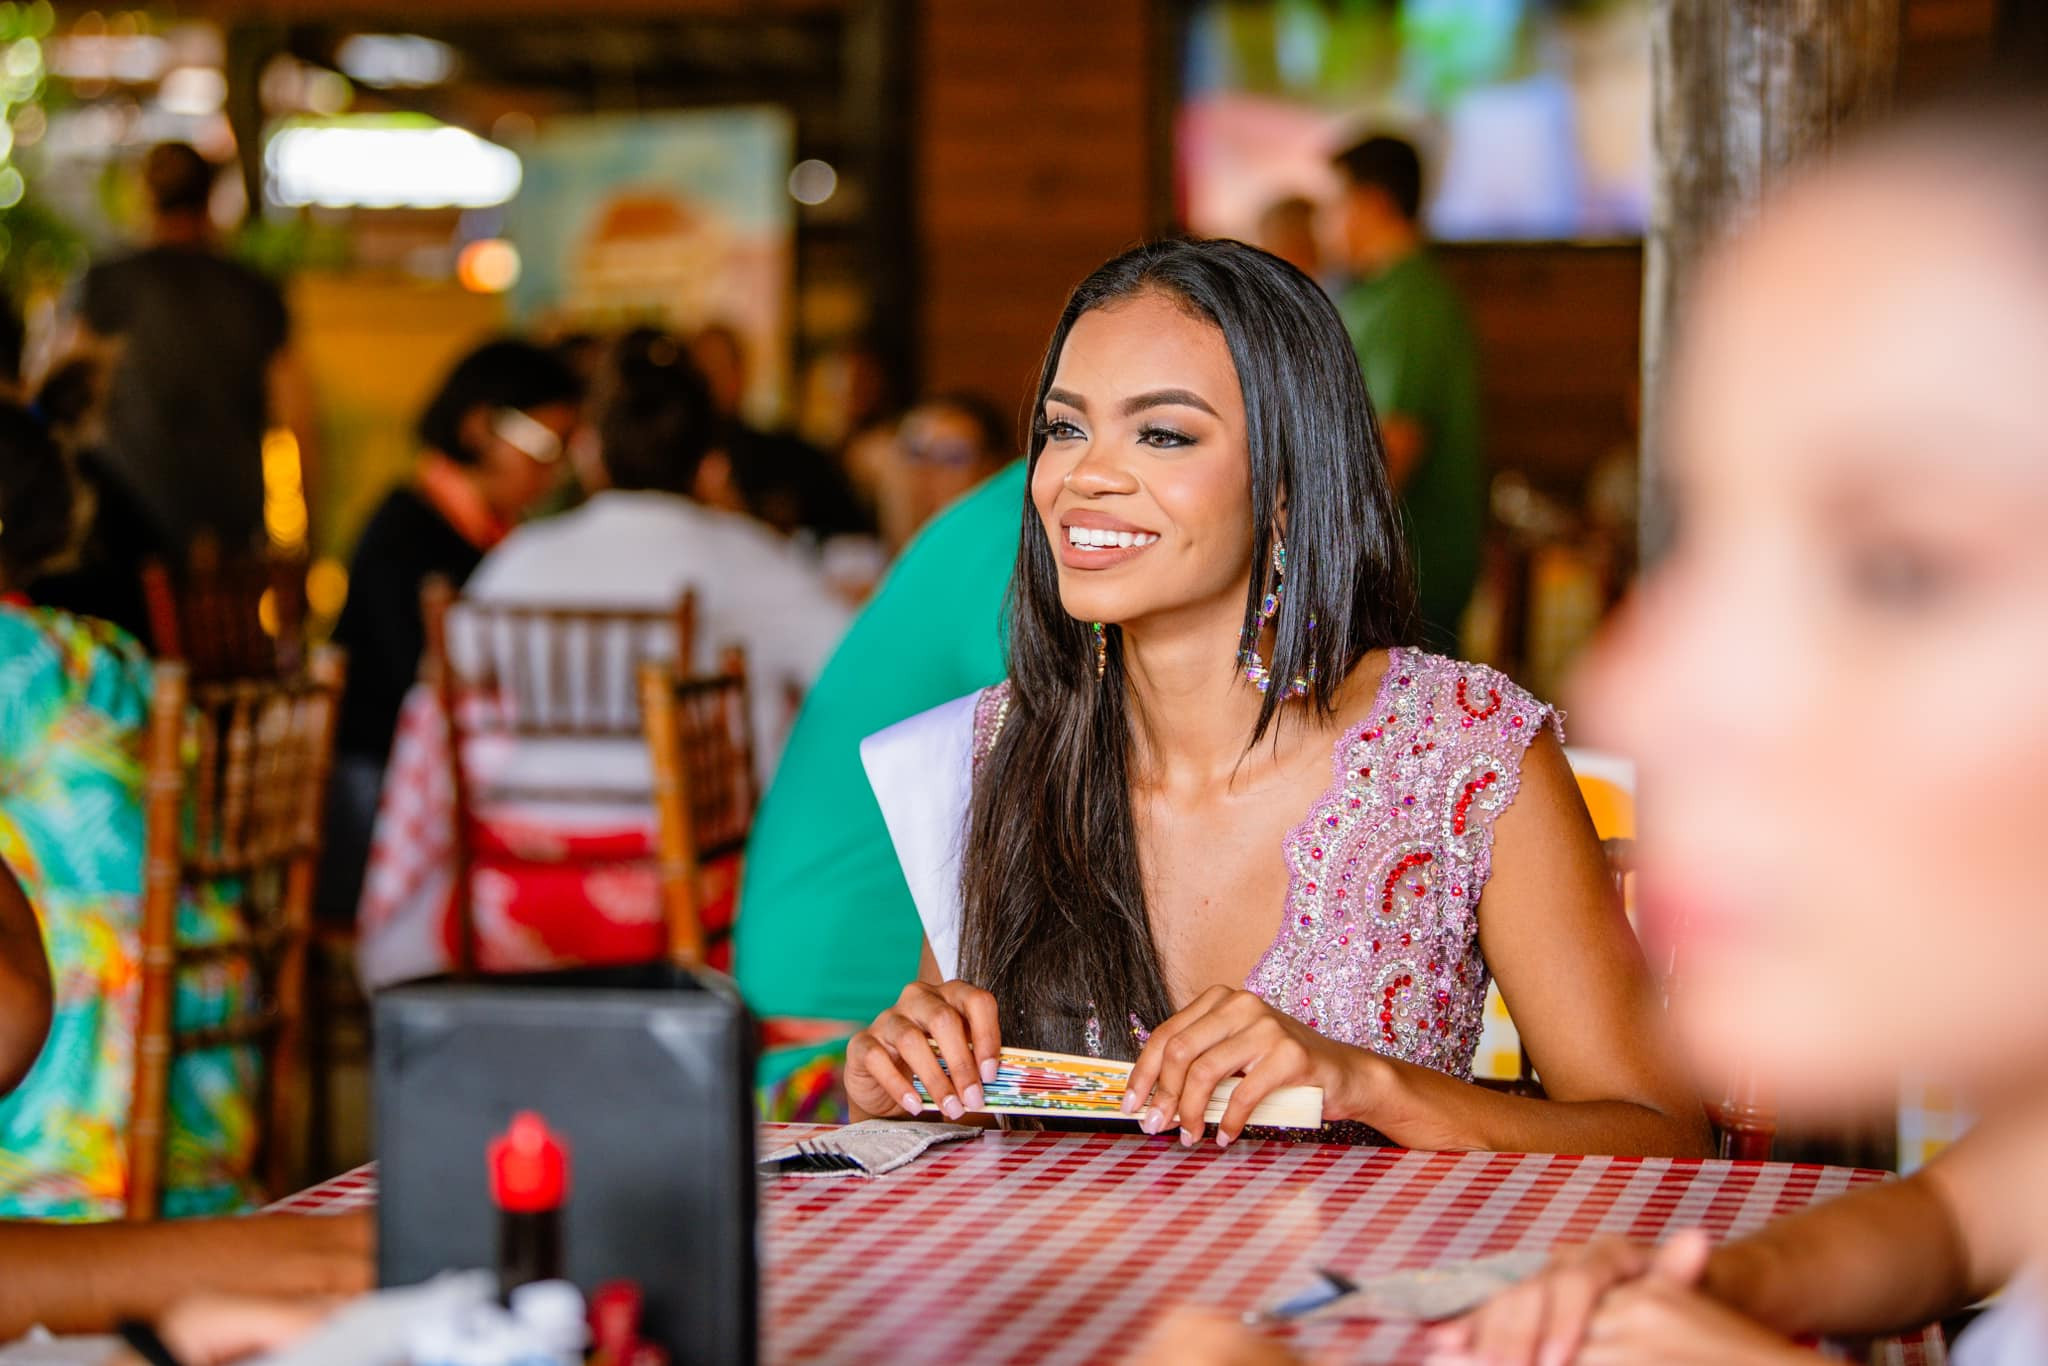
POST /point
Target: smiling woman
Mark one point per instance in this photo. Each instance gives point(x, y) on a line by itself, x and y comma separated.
point(1222, 819)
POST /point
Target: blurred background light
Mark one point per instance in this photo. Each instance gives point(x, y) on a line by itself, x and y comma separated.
point(379, 164)
point(812, 181)
point(396, 60)
point(135, 58)
point(327, 92)
point(193, 91)
point(490, 266)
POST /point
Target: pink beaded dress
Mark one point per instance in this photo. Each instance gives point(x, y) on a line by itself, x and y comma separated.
point(1380, 943)
point(1379, 946)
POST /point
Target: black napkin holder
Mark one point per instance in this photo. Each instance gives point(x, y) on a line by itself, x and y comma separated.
point(646, 1072)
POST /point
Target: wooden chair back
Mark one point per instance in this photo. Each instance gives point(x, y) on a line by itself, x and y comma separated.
point(536, 672)
point(228, 616)
point(700, 740)
point(236, 787)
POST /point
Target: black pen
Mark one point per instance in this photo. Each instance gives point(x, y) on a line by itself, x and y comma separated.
point(144, 1342)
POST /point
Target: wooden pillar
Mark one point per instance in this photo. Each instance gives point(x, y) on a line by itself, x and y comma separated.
point(1741, 90)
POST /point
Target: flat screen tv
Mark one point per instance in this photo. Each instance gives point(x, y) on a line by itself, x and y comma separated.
point(1532, 116)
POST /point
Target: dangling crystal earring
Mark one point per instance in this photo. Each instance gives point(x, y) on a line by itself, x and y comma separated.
point(1255, 670)
point(1101, 650)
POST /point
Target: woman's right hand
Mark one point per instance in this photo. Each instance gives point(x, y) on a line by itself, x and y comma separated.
point(882, 1059)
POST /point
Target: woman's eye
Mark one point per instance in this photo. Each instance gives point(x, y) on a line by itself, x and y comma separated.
point(1898, 577)
point(1164, 438)
point(1057, 429)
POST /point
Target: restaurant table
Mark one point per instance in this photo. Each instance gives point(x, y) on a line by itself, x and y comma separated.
point(1068, 1247)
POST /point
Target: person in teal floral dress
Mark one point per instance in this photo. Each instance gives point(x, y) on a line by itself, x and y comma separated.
point(74, 703)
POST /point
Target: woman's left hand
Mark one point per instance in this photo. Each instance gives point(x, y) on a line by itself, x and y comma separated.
point(1227, 1033)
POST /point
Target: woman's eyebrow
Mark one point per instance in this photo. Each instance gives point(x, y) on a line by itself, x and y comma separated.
point(1167, 398)
point(1068, 397)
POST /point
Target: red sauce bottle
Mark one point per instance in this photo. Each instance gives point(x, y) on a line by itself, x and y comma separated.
point(529, 1184)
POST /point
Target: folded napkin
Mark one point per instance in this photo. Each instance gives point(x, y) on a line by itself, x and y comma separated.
point(870, 1148)
point(1425, 1295)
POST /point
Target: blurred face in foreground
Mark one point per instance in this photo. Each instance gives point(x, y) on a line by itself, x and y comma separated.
point(1833, 682)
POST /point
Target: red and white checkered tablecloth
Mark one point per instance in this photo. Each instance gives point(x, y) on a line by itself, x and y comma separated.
point(1066, 1248)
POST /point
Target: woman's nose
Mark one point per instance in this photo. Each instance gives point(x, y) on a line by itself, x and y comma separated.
point(1100, 470)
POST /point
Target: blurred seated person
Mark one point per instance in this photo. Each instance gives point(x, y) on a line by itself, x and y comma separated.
point(492, 442)
point(778, 477)
point(639, 542)
point(827, 930)
point(646, 536)
point(103, 577)
point(1287, 228)
point(1108, 852)
point(74, 708)
point(944, 446)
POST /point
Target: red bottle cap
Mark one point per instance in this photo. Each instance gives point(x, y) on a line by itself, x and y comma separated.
point(615, 1321)
point(529, 1167)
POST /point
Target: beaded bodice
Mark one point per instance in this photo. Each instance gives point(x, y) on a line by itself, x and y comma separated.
point(1379, 946)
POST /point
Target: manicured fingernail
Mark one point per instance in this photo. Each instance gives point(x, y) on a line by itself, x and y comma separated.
point(1190, 1137)
point(1555, 1354)
point(988, 1070)
point(975, 1098)
point(1130, 1103)
point(911, 1104)
point(951, 1107)
point(1152, 1121)
point(1223, 1140)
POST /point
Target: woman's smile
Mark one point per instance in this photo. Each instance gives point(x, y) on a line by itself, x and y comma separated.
point(1095, 540)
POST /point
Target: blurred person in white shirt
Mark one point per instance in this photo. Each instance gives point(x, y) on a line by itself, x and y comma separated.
point(646, 536)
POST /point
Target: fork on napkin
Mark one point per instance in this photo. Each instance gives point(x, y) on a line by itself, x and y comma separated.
point(869, 1148)
point(1424, 1295)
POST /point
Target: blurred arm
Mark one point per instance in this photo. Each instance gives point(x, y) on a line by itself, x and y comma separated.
point(83, 1278)
point(25, 989)
point(1894, 1256)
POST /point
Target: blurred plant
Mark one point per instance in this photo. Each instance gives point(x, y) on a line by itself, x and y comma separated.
point(278, 246)
point(39, 250)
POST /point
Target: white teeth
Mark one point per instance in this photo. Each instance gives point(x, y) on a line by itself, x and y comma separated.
point(1096, 538)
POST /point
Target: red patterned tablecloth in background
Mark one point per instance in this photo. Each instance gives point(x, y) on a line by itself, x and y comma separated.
point(544, 895)
point(1065, 1248)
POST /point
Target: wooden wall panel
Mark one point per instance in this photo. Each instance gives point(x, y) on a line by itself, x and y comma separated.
point(1034, 162)
point(1559, 328)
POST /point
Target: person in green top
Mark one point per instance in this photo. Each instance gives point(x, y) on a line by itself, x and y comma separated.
point(826, 928)
point(1421, 368)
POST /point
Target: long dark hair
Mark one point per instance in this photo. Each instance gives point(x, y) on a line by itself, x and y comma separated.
point(1055, 919)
